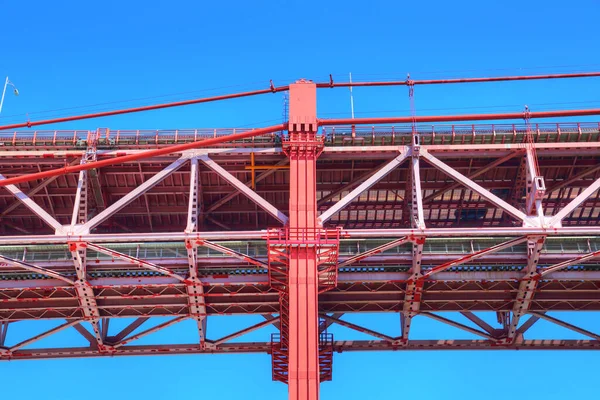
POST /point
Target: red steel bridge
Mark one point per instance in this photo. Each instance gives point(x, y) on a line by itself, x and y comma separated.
point(301, 223)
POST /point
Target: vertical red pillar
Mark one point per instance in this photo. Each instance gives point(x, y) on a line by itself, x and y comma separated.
point(303, 149)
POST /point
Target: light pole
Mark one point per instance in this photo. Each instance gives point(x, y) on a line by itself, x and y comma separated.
point(15, 91)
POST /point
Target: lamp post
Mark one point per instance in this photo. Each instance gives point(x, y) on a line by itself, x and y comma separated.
point(15, 91)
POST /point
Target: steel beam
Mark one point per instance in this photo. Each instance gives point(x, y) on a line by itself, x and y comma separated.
point(573, 204)
point(132, 260)
point(457, 325)
point(241, 187)
point(376, 177)
point(492, 198)
point(134, 194)
point(33, 206)
point(374, 251)
point(566, 325)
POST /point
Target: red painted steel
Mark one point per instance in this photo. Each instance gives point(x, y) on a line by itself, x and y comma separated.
point(29, 124)
point(189, 243)
point(142, 155)
point(456, 118)
point(303, 287)
point(408, 82)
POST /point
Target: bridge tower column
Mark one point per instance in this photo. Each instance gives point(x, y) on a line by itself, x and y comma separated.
point(302, 258)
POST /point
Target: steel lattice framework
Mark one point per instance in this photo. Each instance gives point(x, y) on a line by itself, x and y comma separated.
point(301, 223)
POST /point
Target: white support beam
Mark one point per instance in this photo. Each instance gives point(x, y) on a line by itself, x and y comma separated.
point(134, 194)
point(241, 187)
point(33, 206)
point(372, 180)
point(131, 260)
point(376, 250)
point(576, 202)
point(492, 198)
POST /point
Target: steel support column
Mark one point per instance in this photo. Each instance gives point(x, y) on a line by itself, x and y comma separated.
point(303, 285)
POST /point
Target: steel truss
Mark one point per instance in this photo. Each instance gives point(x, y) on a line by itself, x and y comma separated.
point(445, 223)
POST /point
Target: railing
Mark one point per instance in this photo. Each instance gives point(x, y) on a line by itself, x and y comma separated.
point(336, 135)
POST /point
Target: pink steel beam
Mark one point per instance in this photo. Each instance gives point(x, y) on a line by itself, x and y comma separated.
point(498, 202)
point(376, 177)
point(241, 187)
point(376, 250)
point(474, 175)
point(455, 118)
point(576, 202)
point(32, 205)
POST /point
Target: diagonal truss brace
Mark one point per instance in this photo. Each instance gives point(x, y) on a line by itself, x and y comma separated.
point(376, 250)
point(565, 264)
point(242, 332)
point(458, 325)
point(474, 175)
point(230, 252)
point(33, 206)
point(148, 331)
point(474, 256)
point(34, 268)
point(133, 260)
point(134, 194)
point(492, 198)
point(372, 180)
point(556, 220)
point(414, 285)
point(7, 351)
point(566, 325)
point(359, 328)
point(240, 186)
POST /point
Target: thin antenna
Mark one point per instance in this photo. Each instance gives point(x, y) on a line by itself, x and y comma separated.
point(351, 97)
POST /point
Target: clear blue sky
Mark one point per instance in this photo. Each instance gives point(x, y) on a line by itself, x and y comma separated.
point(72, 54)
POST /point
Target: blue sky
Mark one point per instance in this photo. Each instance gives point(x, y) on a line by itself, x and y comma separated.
point(104, 55)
